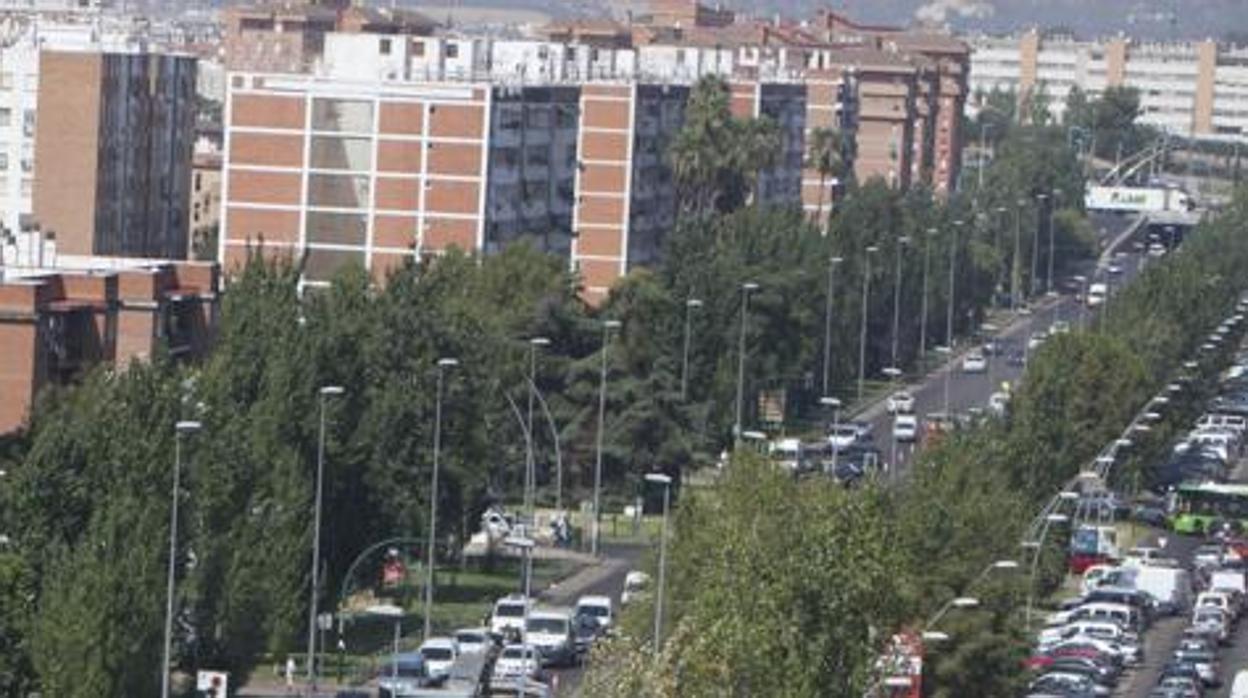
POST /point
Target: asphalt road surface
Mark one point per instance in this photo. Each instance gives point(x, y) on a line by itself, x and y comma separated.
point(967, 390)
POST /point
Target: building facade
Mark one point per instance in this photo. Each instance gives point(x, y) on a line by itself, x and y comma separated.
point(1189, 89)
point(57, 322)
point(113, 144)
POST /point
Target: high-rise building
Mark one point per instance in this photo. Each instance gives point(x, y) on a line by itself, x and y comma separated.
point(113, 143)
point(1190, 89)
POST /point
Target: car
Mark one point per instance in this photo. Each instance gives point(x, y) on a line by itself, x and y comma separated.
point(1016, 359)
point(1212, 623)
point(551, 632)
point(636, 585)
point(1068, 684)
point(1156, 250)
point(586, 630)
point(517, 660)
point(1206, 663)
point(974, 363)
point(900, 403)
point(473, 640)
point(439, 654)
point(1037, 339)
point(906, 428)
point(402, 675)
point(600, 608)
point(1097, 293)
point(1181, 685)
point(842, 436)
point(998, 403)
point(1059, 327)
point(1113, 269)
point(509, 613)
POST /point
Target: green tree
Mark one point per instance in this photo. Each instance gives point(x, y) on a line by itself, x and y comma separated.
point(830, 154)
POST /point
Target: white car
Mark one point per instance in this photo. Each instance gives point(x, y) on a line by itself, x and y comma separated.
point(998, 402)
point(1037, 340)
point(842, 436)
point(1059, 327)
point(550, 631)
point(517, 660)
point(599, 608)
point(636, 584)
point(473, 640)
point(509, 613)
point(906, 428)
point(900, 403)
point(1156, 250)
point(439, 654)
point(974, 363)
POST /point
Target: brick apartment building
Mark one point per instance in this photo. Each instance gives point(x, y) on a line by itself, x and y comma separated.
point(113, 144)
point(393, 143)
point(57, 322)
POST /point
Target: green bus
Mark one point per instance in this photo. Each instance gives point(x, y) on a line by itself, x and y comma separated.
point(1199, 505)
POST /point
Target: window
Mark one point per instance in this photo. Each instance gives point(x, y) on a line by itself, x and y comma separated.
point(342, 115)
point(335, 153)
point(336, 228)
point(6, 116)
point(452, 50)
point(385, 47)
point(199, 183)
point(338, 191)
point(321, 265)
point(680, 56)
point(418, 49)
point(4, 161)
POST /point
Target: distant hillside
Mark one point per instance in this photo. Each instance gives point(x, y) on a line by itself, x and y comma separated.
point(1150, 19)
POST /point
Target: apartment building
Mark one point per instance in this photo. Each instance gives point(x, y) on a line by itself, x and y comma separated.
point(58, 321)
point(113, 143)
point(1189, 89)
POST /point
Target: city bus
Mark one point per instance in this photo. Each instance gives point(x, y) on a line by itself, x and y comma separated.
point(1199, 505)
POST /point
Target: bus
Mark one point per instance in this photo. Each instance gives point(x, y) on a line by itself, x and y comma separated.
point(1197, 506)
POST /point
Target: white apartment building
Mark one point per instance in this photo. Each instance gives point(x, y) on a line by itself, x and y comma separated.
point(1190, 89)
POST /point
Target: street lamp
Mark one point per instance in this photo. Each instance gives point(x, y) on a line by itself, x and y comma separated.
point(927, 264)
point(948, 354)
point(325, 392)
point(746, 288)
point(1035, 243)
point(1057, 196)
point(953, 299)
point(1002, 220)
point(1052, 518)
point(607, 326)
point(833, 263)
point(862, 334)
point(1016, 266)
point(690, 305)
point(666, 482)
point(443, 365)
point(901, 243)
point(181, 429)
point(530, 468)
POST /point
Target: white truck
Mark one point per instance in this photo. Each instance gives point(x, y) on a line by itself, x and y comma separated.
point(1137, 199)
point(1170, 586)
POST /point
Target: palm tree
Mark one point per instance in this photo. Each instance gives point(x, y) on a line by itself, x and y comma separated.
point(829, 156)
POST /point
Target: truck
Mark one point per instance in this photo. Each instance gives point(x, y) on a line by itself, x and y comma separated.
point(1137, 199)
point(1170, 586)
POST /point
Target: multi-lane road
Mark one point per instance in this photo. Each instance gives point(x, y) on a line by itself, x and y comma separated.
point(972, 390)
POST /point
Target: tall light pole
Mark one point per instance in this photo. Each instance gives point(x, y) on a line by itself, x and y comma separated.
point(1057, 196)
point(443, 365)
point(901, 243)
point(666, 482)
point(180, 429)
point(927, 265)
point(1035, 243)
point(833, 263)
point(326, 392)
point(1016, 263)
point(690, 305)
point(953, 284)
point(998, 284)
point(530, 467)
point(746, 289)
point(862, 332)
point(607, 326)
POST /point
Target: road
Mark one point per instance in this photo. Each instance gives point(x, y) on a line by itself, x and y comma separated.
point(973, 390)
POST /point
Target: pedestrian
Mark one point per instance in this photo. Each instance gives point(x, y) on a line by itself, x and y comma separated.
point(290, 674)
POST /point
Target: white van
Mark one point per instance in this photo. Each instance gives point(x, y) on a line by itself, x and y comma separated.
point(1096, 294)
point(1235, 422)
point(1239, 687)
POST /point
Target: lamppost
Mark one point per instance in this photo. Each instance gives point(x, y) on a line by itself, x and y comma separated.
point(746, 288)
point(530, 467)
point(1041, 198)
point(1016, 263)
point(1038, 546)
point(690, 305)
point(326, 391)
point(180, 429)
point(607, 326)
point(953, 277)
point(862, 333)
point(927, 265)
point(443, 364)
point(998, 284)
point(666, 482)
point(833, 263)
point(901, 243)
point(1057, 196)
